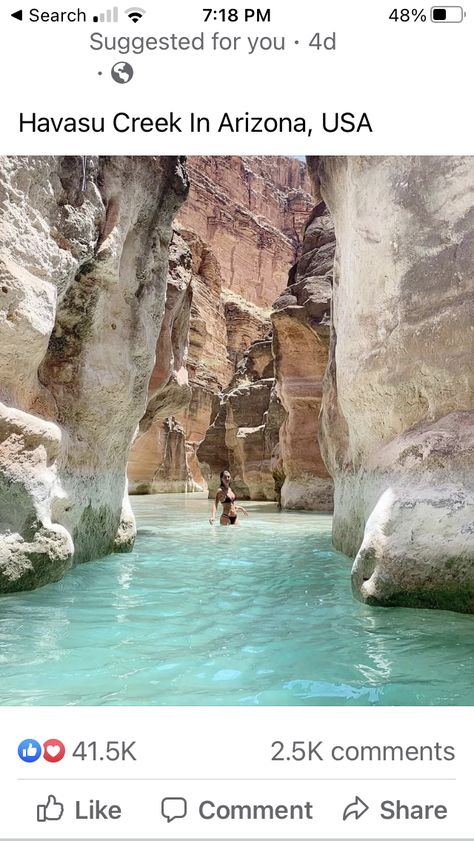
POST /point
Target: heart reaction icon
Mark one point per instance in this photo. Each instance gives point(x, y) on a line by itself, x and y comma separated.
point(53, 750)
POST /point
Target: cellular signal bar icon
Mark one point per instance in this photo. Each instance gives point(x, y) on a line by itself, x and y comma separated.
point(110, 16)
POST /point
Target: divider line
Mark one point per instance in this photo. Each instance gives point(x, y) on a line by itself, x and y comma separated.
point(237, 779)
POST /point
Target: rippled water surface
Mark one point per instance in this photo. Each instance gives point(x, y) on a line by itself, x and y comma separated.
point(256, 614)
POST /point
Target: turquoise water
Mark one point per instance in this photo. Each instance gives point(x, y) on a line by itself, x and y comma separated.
point(259, 614)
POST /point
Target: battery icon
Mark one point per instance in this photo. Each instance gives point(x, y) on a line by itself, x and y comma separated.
point(447, 14)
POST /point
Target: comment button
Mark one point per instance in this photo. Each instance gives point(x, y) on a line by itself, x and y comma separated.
point(173, 808)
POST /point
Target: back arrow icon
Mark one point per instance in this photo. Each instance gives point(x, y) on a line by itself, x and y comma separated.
point(357, 809)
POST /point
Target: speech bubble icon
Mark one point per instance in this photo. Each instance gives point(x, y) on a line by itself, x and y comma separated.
point(173, 807)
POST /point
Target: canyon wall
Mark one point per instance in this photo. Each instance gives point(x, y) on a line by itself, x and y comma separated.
point(83, 268)
point(397, 428)
point(222, 327)
point(204, 333)
point(208, 365)
point(300, 321)
point(242, 224)
point(252, 408)
point(157, 460)
point(244, 433)
point(251, 211)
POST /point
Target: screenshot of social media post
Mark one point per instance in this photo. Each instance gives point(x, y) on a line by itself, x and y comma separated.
point(236, 421)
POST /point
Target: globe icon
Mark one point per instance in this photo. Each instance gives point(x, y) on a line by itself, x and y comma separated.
point(122, 72)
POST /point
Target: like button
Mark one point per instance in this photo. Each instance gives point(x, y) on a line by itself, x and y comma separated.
point(51, 811)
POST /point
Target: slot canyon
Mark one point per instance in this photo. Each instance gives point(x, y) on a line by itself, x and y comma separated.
point(309, 326)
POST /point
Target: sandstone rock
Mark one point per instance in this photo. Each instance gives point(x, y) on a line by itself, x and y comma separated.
point(161, 460)
point(222, 325)
point(207, 358)
point(274, 420)
point(413, 503)
point(160, 442)
point(249, 462)
point(212, 453)
point(240, 437)
point(300, 320)
point(81, 302)
point(192, 366)
point(250, 210)
point(208, 364)
point(33, 547)
point(246, 323)
point(398, 394)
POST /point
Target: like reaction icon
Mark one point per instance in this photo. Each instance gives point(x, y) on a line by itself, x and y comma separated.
point(51, 811)
point(29, 750)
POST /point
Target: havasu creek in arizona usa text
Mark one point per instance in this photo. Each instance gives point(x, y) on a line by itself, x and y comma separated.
point(122, 123)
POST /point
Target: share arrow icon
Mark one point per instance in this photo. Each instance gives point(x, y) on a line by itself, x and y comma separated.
point(355, 809)
point(18, 15)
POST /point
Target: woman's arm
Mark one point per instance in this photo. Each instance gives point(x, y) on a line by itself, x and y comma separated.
point(244, 510)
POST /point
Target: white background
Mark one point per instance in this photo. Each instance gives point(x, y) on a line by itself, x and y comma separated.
point(224, 754)
point(413, 79)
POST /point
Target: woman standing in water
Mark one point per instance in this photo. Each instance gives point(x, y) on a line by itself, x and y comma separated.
point(227, 498)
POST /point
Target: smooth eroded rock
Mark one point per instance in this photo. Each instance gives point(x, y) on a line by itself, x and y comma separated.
point(83, 265)
point(399, 392)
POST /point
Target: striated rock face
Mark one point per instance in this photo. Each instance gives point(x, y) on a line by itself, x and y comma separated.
point(205, 331)
point(159, 457)
point(160, 443)
point(397, 419)
point(191, 368)
point(251, 211)
point(207, 358)
point(209, 367)
point(82, 287)
point(245, 324)
point(241, 437)
point(300, 320)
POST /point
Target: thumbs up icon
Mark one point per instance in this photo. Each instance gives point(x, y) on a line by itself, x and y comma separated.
point(29, 750)
point(51, 811)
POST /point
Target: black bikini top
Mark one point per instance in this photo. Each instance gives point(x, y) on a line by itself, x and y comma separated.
point(227, 498)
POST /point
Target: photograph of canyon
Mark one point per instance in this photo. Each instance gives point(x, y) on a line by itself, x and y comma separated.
point(289, 339)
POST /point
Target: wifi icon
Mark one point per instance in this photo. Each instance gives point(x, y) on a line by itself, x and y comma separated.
point(135, 13)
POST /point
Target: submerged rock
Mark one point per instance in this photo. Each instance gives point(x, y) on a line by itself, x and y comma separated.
point(83, 265)
point(398, 397)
